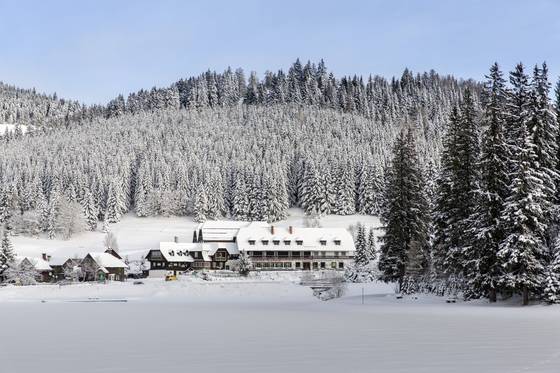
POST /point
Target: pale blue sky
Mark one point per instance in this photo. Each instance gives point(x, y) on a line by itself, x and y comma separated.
point(93, 50)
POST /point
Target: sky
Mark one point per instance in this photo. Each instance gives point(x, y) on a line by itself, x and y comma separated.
point(91, 51)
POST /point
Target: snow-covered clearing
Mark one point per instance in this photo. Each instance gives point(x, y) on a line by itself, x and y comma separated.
point(10, 128)
point(265, 326)
point(136, 235)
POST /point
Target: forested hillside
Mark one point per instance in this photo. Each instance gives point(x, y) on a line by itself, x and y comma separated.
point(27, 107)
point(220, 146)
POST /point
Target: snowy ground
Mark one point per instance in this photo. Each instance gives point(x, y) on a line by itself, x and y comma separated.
point(10, 128)
point(137, 235)
point(265, 326)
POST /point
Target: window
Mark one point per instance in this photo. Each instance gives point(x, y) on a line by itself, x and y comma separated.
point(333, 265)
point(287, 242)
point(340, 265)
point(307, 253)
point(298, 265)
point(323, 242)
point(276, 242)
point(315, 265)
point(295, 254)
point(257, 254)
point(287, 265)
point(299, 242)
point(323, 265)
point(264, 242)
point(283, 254)
point(258, 265)
point(278, 265)
point(270, 254)
point(337, 242)
point(252, 242)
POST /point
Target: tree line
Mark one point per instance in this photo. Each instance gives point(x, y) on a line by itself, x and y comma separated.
point(492, 222)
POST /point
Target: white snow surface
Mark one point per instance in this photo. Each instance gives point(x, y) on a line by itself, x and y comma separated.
point(266, 325)
point(10, 128)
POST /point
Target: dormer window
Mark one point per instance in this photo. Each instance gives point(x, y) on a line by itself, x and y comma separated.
point(337, 242)
point(299, 242)
point(287, 242)
point(265, 242)
point(172, 253)
point(251, 242)
point(323, 242)
point(276, 242)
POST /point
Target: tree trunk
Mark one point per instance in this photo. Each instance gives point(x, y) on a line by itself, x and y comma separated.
point(525, 295)
point(492, 295)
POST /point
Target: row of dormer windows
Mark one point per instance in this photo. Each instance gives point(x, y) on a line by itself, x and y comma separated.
point(288, 242)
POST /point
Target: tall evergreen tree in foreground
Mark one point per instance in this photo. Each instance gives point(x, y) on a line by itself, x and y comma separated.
point(405, 216)
point(482, 267)
point(457, 189)
point(523, 217)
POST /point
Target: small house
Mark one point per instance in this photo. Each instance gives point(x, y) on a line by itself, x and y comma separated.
point(103, 266)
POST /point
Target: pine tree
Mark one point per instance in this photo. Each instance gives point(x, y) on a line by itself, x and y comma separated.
point(201, 205)
point(523, 219)
point(406, 216)
point(551, 285)
point(361, 258)
point(7, 255)
point(483, 268)
point(372, 248)
point(115, 203)
point(90, 212)
point(445, 214)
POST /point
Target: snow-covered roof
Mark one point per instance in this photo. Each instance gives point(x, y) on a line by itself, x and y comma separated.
point(177, 252)
point(311, 238)
point(181, 252)
point(38, 264)
point(230, 247)
point(225, 230)
point(107, 260)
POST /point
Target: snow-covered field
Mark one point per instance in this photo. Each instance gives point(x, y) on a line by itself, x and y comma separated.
point(136, 235)
point(267, 323)
point(10, 128)
point(265, 326)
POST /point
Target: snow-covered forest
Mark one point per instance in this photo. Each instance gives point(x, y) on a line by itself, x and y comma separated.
point(218, 145)
point(464, 175)
point(491, 224)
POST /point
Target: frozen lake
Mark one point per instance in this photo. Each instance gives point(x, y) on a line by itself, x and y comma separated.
point(266, 327)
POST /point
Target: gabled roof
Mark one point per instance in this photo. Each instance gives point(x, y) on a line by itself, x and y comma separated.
point(38, 264)
point(107, 260)
point(225, 230)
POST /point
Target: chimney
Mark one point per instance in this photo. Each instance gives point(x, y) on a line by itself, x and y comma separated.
point(176, 239)
point(291, 230)
point(45, 258)
point(272, 229)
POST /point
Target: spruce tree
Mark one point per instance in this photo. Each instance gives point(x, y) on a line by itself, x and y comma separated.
point(551, 285)
point(361, 258)
point(372, 249)
point(201, 205)
point(523, 220)
point(7, 255)
point(482, 267)
point(90, 213)
point(405, 216)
